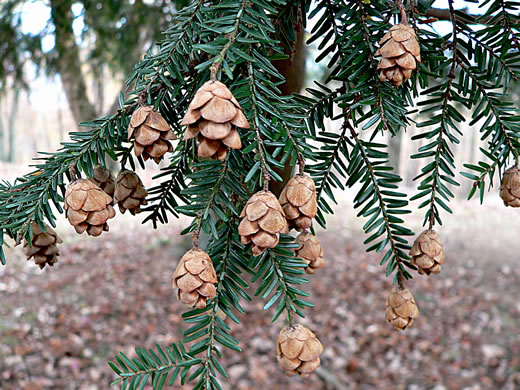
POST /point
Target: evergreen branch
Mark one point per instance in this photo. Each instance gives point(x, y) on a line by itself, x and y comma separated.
point(464, 17)
point(258, 137)
point(470, 34)
point(507, 23)
point(209, 326)
point(388, 224)
point(169, 59)
point(163, 196)
point(206, 192)
point(323, 172)
point(153, 366)
point(502, 126)
point(36, 188)
point(432, 213)
point(279, 271)
point(217, 62)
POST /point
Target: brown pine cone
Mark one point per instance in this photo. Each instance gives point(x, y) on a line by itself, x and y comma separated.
point(510, 187)
point(310, 251)
point(263, 222)
point(428, 253)
point(298, 350)
point(44, 248)
point(401, 309)
point(104, 179)
point(195, 279)
point(130, 193)
point(213, 116)
point(400, 53)
point(298, 200)
point(88, 207)
point(151, 133)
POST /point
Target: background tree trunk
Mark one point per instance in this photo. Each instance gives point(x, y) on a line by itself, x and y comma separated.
point(2, 139)
point(11, 126)
point(293, 69)
point(394, 151)
point(69, 63)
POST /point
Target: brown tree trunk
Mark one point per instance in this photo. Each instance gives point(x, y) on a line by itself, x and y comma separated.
point(2, 139)
point(69, 63)
point(394, 151)
point(293, 69)
point(11, 126)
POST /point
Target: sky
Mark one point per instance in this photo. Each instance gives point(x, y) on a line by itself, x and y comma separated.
point(47, 94)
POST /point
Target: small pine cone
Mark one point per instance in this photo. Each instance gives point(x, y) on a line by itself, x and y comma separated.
point(213, 116)
point(401, 308)
point(88, 207)
point(263, 222)
point(104, 179)
point(195, 279)
point(298, 200)
point(310, 251)
point(298, 350)
point(130, 193)
point(400, 53)
point(44, 249)
point(428, 253)
point(152, 134)
point(510, 187)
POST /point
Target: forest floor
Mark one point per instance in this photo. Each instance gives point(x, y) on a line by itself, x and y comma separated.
point(59, 326)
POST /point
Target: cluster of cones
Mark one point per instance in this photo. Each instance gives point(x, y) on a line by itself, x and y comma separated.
point(89, 202)
point(264, 218)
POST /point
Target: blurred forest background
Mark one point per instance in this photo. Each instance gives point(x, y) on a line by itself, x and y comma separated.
point(65, 61)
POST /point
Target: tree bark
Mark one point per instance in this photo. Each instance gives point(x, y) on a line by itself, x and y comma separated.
point(69, 63)
point(394, 151)
point(11, 125)
point(2, 139)
point(293, 70)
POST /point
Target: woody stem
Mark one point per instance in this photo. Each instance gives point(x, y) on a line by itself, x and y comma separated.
point(402, 11)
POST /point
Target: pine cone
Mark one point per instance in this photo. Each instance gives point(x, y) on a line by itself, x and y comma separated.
point(44, 249)
point(130, 193)
point(400, 51)
point(104, 179)
point(88, 207)
point(298, 200)
point(152, 134)
point(213, 116)
point(263, 222)
point(510, 187)
point(310, 251)
point(427, 253)
point(401, 309)
point(298, 350)
point(195, 278)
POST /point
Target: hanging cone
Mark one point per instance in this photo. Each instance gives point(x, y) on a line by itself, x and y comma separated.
point(195, 279)
point(428, 253)
point(510, 187)
point(43, 249)
point(88, 207)
point(310, 251)
point(298, 200)
point(151, 134)
point(400, 54)
point(401, 309)
point(298, 350)
point(263, 221)
point(130, 193)
point(214, 116)
point(104, 179)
